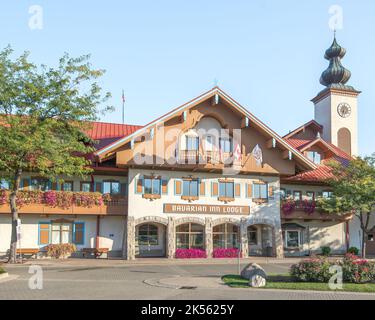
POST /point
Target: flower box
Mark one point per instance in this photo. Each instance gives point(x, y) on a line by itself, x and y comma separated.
point(225, 253)
point(190, 254)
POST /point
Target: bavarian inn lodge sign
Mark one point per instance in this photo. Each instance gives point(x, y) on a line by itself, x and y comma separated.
point(202, 208)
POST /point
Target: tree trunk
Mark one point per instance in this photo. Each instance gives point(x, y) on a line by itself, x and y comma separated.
point(363, 244)
point(14, 211)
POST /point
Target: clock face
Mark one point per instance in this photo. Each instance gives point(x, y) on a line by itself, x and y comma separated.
point(344, 110)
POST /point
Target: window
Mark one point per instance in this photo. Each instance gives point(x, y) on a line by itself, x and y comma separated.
point(4, 184)
point(226, 189)
point(327, 194)
point(67, 186)
point(370, 237)
point(297, 195)
point(40, 184)
point(310, 195)
point(152, 185)
point(190, 188)
point(86, 186)
point(190, 236)
point(111, 187)
point(314, 156)
point(282, 194)
point(209, 143)
point(61, 233)
point(260, 191)
point(148, 235)
point(192, 143)
point(226, 236)
point(292, 238)
point(226, 145)
point(252, 235)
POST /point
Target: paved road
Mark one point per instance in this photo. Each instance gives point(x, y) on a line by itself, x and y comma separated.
point(127, 282)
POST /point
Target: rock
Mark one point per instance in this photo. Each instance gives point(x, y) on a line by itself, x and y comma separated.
point(257, 281)
point(252, 270)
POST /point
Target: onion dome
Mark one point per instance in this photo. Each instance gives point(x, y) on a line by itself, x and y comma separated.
point(335, 76)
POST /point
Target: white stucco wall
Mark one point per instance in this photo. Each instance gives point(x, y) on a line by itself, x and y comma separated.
point(111, 231)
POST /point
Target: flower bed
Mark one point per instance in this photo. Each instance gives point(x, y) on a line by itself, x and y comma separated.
point(225, 253)
point(355, 270)
point(190, 253)
point(61, 199)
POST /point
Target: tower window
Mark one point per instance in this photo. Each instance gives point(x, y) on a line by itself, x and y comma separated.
point(314, 156)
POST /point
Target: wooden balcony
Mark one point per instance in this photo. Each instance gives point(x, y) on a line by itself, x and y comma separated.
point(115, 207)
point(305, 210)
point(194, 157)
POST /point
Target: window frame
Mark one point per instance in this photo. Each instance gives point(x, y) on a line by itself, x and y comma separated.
point(191, 138)
point(253, 230)
point(226, 195)
point(260, 185)
point(148, 235)
point(85, 183)
point(190, 235)
point(190, 181)
point(152, 179)
point(39, 186)
point(227, 236)
point(286, 238)
point(226, 140)
point(111, 182)
point(67, 182)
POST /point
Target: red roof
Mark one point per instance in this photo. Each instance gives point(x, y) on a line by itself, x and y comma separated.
point(105, 130)
point(323, 172)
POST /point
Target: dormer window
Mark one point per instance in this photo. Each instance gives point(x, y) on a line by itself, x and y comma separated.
point(314, 156)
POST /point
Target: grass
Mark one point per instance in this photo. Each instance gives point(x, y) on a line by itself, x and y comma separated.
point(286, 282)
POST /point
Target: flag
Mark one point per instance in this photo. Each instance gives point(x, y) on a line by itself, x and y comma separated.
point(123, 96)
point(258, 155)
point(237, 153)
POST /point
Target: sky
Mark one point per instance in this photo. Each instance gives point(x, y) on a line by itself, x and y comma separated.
point(266, 54)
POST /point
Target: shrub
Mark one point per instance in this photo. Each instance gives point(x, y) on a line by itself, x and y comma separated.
point(356, 270)
point(60, 250)
point(353, 250)
point(225, 253)
point(190, 253)
point(311, 270)
point(326, 251)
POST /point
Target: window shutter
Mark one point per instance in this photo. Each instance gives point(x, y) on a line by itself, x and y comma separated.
point(249, 190)
point(202, 188)
point(78, 233)
point(164, 186)
point(237, 190)
point(214, 189)
point(44, 233)
point(25, 183)
point(123, 188)
point(178, 187)
point(98, 187)
point(139, 185)
point(270, 192)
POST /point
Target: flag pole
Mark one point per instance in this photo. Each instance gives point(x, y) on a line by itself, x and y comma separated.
point(123, 107)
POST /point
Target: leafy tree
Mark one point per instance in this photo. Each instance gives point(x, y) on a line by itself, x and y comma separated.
point(44, 114)
point(353, 189)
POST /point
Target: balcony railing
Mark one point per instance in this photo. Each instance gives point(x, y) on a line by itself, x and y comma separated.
point(307, 210)
point(60, 202)
point(207, 157)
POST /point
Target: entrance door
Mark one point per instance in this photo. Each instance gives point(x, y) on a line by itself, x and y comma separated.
point(150, 240)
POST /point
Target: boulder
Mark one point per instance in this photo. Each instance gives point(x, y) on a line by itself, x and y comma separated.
point(255, 274)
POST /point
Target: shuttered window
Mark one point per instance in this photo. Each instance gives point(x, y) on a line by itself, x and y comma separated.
point(44, 233)
point(260, 191)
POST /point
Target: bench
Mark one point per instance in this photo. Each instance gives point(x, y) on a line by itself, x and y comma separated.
point(97, 252)
point(27, 251)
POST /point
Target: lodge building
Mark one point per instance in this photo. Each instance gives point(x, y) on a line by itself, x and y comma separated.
point(208, 175)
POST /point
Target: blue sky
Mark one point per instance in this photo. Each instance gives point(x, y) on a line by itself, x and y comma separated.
point(268, 55)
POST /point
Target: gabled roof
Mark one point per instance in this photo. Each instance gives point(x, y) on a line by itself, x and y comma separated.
point(310, 124)
point(203, 97)
point(323, 171)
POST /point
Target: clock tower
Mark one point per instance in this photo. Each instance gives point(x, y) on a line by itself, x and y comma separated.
point(336, 106)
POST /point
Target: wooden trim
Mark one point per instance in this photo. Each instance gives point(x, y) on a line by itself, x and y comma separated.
point(190, 198)
point(151, 196)
point(226, 199)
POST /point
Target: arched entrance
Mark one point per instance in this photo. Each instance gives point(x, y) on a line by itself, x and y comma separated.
point(261, 240)
point(150, 237)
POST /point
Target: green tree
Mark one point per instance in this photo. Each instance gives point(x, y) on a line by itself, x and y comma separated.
point(353, 189)
point(44, 114)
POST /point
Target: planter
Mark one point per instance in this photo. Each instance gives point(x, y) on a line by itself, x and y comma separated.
point(221, 253)
point(190, 254)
